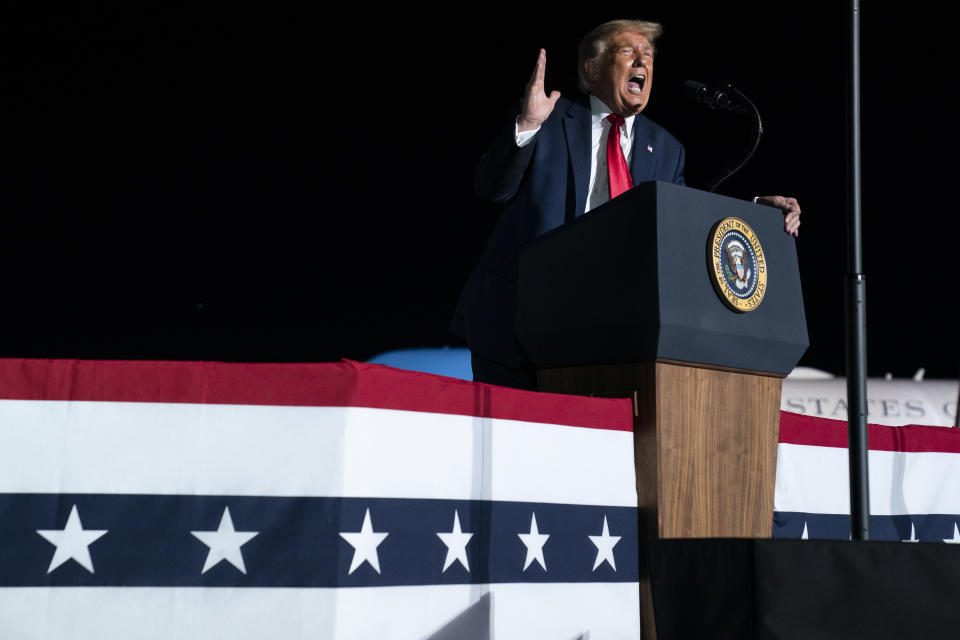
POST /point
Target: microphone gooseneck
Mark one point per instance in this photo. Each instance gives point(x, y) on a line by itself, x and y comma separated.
point(724, 96)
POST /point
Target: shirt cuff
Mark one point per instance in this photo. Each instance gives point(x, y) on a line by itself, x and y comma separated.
point(523, 138)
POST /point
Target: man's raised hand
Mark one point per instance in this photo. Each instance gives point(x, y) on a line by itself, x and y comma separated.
point(537, 106)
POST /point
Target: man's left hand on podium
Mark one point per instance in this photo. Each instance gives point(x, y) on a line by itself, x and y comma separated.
point(790, 208)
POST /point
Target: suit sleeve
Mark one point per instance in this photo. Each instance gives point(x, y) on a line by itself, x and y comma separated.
point(502, 168)
point(678, 170)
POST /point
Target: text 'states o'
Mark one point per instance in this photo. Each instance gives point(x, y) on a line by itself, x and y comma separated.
point(737, 265)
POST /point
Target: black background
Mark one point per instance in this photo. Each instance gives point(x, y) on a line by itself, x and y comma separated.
point(295, 184)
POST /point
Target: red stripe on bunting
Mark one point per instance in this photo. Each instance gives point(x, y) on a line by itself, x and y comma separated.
point(824, 432)
point(339, 384)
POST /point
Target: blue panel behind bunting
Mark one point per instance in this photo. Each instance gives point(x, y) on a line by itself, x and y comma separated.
point(298, 543)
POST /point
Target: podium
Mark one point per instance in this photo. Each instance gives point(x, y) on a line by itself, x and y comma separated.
point(628, 300)
point(622, 302)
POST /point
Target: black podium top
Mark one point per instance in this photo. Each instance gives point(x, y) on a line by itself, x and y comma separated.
point(631, 281)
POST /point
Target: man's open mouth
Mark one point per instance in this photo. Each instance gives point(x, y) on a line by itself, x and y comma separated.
point(635, 84)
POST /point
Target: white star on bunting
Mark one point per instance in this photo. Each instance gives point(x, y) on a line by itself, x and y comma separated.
point(604, 544)
point(956, 536)
point(224, 543)
point(534, 542)
point(364, 543)
point(913, 534)
point(456, 542)
point(72, 542)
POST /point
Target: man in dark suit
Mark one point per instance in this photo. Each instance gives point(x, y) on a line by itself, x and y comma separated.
point(558, 160)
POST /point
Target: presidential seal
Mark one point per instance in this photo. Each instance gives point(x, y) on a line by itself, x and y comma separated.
point(737, 266)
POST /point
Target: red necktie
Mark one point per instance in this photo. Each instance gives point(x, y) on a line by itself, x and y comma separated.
point(620, 179)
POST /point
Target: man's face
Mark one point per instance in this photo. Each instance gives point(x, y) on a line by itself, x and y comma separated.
point(623, 75)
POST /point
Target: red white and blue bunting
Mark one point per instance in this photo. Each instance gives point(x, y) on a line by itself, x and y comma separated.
point(197, 500)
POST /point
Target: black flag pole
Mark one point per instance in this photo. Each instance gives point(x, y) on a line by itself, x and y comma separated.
point(856, 352)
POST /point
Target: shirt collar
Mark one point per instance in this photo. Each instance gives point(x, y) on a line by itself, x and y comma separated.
point(599, 111)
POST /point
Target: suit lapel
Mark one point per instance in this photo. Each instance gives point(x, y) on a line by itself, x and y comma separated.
point(576, 126)
point(641, 156)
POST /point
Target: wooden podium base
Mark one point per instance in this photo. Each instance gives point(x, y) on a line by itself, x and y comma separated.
point(705, 444)
point(705, 449)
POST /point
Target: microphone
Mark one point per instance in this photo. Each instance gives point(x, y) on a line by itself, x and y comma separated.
point(713, 96)
point(725, 97)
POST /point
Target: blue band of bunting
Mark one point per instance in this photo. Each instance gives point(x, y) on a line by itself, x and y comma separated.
point(179, 540)
point(905, 528)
